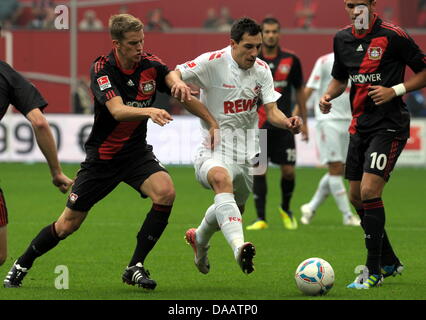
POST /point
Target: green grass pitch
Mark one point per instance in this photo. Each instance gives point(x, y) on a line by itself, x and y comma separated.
point(97, 254)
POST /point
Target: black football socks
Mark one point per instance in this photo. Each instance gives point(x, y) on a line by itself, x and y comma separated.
point(46, 240)
point(259, 194)
point(155, 222)
point(388, 255)
point(287, 188)
point(374, 224)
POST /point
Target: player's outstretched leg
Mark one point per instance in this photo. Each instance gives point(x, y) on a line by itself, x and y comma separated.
point(200, 252)
point(199, 239)
point(46, 240)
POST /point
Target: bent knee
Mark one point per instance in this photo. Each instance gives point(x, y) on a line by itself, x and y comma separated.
point(66, 228)
point(220, 179)
point(165, 195)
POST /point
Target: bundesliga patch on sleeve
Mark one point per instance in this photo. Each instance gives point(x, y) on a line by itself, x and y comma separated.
point(104, 83)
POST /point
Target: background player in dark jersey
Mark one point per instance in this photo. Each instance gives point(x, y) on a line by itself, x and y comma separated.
point(375, 61)
point(287, 73)
point(124, 86)
point(15, 90)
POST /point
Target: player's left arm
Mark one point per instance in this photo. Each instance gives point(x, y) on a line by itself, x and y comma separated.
point(197, 108)
point(278, 119)
point(408, 52)
point(301, 111)
point(296, 79)
point(179, 89)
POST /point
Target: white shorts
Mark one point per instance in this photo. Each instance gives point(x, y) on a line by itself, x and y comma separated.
point(242, 179)
point(333, 140)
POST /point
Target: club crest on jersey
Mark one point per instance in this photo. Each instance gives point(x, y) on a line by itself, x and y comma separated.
point(104, 83)
point(285, 69)
point(375, 53)
point(258, 89)
point(147, 87)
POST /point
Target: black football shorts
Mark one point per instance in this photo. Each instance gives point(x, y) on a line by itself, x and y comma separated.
point(96, 180)
point(375, 153)
point(281, 147)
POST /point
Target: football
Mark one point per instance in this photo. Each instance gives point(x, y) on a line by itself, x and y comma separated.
point(314, 276)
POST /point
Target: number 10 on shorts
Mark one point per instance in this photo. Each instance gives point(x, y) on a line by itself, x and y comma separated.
point(378, 161)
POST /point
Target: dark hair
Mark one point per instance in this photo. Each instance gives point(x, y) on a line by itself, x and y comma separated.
point(242, 26)
point(270, 20)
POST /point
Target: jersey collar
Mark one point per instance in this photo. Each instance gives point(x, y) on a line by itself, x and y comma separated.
point(376, 21)
point(116, 62)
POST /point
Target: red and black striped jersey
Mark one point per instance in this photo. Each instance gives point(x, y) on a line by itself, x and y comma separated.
point(16, 90)
point(287, 74)
point(112, 139)
point(379, 57)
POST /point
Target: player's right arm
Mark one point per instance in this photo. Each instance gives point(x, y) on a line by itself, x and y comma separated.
point(28, 100)
point(46, 143)
point(121, 112)
point(340, 75)
point(334, 90)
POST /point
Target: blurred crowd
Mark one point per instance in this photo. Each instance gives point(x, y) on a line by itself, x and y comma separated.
point(40, 15)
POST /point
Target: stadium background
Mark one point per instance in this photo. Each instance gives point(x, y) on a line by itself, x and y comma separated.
point(43, 55)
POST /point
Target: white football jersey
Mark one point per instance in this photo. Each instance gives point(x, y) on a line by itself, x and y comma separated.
point(319, 80)
point(231, 95)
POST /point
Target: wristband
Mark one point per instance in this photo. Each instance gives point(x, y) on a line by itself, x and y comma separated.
point(399, 89)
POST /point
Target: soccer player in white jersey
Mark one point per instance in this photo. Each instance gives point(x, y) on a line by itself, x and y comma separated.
point(232, 80)
point(332, 141)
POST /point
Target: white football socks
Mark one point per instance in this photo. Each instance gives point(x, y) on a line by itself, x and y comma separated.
point(338, 190)
point(323, 190)
point(229, 219)
point(207, 227)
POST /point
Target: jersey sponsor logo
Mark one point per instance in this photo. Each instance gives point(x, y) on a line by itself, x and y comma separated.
point(375, 53)
point(241, 105)
point(139, 104)
point(366, 78)
point(280, 84)
point(104, 83)
point(147, 87)
point(229, 86)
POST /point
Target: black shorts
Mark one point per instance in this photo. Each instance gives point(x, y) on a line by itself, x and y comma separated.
point(3, 210)
point(96, 180)
point(375, 153)
point(281, 147)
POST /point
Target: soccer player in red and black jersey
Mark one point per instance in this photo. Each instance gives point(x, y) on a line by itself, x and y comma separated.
point(373, 54)
point(124, 86)
point(19, 92)
point(281, 147)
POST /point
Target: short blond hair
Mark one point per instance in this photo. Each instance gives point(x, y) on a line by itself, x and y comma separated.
point(119, 24)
